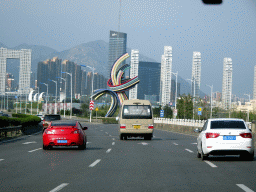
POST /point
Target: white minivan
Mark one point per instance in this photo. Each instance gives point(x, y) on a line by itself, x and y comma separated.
point(136, 119)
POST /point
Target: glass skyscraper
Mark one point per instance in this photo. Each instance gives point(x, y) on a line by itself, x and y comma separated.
point(117, 47)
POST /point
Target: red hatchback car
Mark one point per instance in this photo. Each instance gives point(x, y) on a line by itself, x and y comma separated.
point(64, 133)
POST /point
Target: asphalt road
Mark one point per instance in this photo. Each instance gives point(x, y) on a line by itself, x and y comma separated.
point(166, 163)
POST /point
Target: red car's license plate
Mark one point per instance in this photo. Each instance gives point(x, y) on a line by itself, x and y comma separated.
point(62, 141)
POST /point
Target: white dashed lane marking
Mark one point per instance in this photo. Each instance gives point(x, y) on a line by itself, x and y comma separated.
point(59, 187)
point(95, 163)
point(210, 163)
point(242, 186)
point(175, 143)
point(108, 150)
point(113, 143)
point(189, 150)
point(34, 150)
point(28, 142)
point(113, 138)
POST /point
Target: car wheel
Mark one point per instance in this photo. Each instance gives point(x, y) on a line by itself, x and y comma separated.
point(204, 157)
point(198, 154)
point(124, 137)
point(147, 137)
point(82, 147)
point(247, 157)
point(44, 147)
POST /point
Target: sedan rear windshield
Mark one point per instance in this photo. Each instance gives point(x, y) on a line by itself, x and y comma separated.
point(51, 117)
point(227, 125)
point(63, 124)
point(137, 112)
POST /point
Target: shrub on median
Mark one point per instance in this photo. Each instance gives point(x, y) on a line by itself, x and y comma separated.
point(109, 120)
point(19, 119)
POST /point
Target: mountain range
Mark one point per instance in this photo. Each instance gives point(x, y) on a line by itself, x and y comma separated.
point(93, 54)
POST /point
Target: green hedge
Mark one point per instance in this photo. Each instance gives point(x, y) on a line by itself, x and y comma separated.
point(109, 120)
point(19, 119)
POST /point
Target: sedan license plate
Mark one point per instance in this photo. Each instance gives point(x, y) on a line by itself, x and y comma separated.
point(136, 126)
point(229, 137)
point(62, 141)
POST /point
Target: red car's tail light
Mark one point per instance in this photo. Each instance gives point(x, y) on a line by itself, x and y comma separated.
point(246, 135)
point(75, 131)
point(122, 126)
point(49, 131)
point(212, 135)
point(151, 126)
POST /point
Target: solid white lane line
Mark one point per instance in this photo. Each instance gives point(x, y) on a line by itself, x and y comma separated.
point(108, 150)
point(59, 187)
point(113, 143)
point(175, 143)
point(28, 142)
point(1, 159)
point(189, 150)
point(210, 163)
point(95, 163)
point(242, 186)
point(34, 150)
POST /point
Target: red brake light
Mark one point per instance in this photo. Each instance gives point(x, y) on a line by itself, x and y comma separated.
point(212, 135)
point(75, 131)
point(246, 135)
point(122, 126)
point(151, 126)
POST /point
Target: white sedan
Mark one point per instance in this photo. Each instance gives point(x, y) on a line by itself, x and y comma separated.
point(225, 137)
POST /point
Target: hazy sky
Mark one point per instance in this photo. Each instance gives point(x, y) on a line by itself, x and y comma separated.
point(222, 31)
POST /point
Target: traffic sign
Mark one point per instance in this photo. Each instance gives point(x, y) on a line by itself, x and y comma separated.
point(91, 106)
point(199, 112)
point(199, 109)
point(161, 113)
point(97, 109)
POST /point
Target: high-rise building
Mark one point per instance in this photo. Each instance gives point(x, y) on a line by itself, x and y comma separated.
point(134, 72)
point(83, 83)
point(24, 55)
point(227, 83)
point(149, 75)
point(254, 84)
point(196, 73)
point(117, 47)
point(165, 81)
point(70, 67)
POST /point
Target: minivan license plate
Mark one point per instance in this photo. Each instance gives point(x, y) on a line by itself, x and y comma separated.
point(229, 137)
point(136, 126)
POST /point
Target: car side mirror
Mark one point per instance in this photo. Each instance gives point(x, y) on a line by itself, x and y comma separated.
point(117, 118)
point(197, 130)
point(85, 128)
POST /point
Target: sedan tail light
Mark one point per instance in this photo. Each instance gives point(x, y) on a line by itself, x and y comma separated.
point(49, 131)
point(212, 135)
point(75, 131)
point(122, 126)
point(246, 135)
point(151, 126)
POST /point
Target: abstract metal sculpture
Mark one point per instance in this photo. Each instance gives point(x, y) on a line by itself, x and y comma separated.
point(117, 85)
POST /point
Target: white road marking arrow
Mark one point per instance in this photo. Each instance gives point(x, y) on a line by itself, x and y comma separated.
point(143, 143)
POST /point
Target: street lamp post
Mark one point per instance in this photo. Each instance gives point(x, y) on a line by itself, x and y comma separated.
point(20, 102)
point(211, 98)
point(92, 87)
point(55, 108)
point(37, 100)
point(46, 97)
point(65, 94)
point(248, 108)
point(193, 81)
point(70, 74)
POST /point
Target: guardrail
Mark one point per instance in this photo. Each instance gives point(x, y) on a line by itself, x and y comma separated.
point(186, 122)
point(5, 130)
